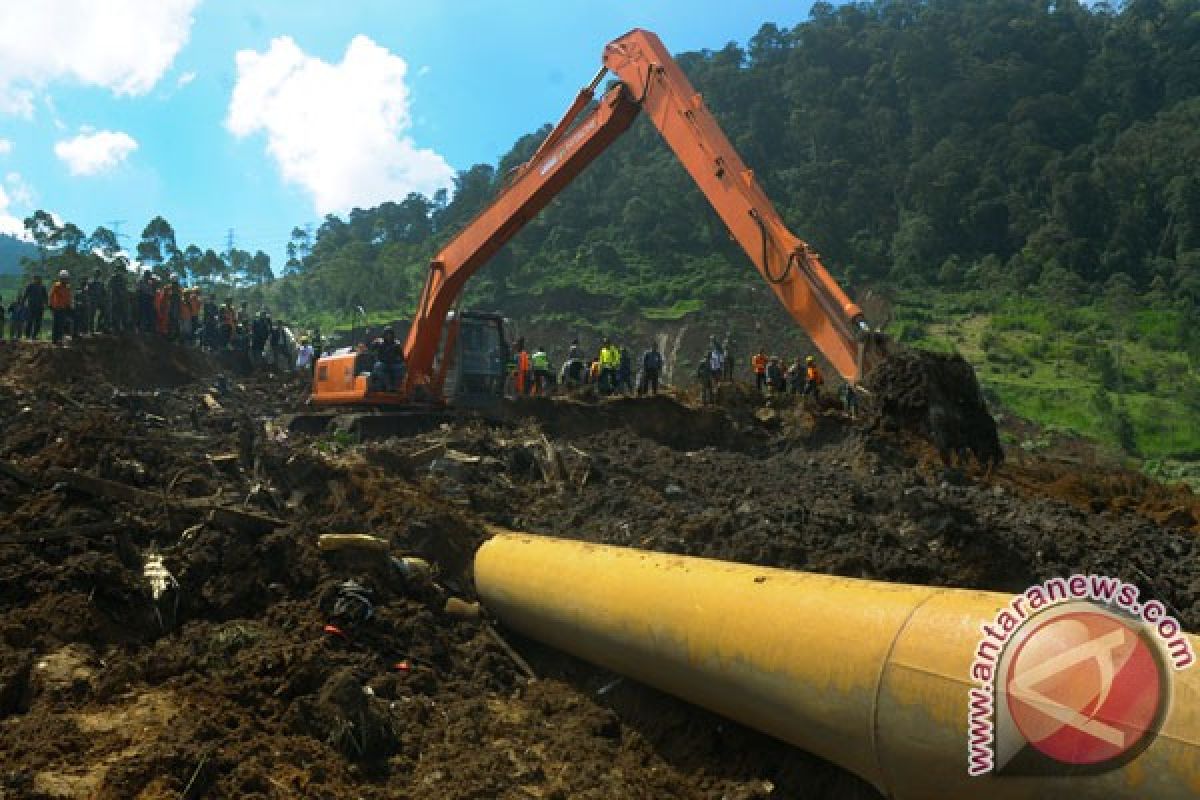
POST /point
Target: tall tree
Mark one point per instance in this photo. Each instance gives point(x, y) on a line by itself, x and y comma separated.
point(158, 242)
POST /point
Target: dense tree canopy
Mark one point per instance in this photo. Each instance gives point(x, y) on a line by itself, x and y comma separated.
point(991, 142)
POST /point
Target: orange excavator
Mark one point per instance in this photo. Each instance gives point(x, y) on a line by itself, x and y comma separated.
point(459, 358)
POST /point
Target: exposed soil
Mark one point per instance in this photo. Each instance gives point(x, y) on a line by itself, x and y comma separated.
point(230, 685)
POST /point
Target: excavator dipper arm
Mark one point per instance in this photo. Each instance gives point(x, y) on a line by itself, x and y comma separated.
point(650, 81)
point(791, 268)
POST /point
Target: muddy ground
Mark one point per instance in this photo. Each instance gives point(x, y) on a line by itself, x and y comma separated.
point(230, 686)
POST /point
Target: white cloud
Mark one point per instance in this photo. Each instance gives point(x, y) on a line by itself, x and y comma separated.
point(121, 45)
point(338, 130)
point(6, 147)
point(93, 153)
point(9, 224)
point(184, 79)
point(20, 192)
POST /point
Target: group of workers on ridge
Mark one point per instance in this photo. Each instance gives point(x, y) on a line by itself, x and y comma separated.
point(152, 305)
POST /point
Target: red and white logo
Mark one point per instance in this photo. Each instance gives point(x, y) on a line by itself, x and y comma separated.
point(1078, 686)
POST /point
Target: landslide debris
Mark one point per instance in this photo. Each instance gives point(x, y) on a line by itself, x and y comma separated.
point(936, 396)
point(231, 685)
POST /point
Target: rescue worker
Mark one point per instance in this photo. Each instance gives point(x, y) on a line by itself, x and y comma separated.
point(34, 298)
point(775, 379)
point(652, 363)
point(850, 400)
point(759, 362)
point(390, 357)
point(541, 371)
point(116, 301)
point(704, 375)
point(304, 355)
point(260, 331)
point(16, 319)
point(147, 291)
point(524, 374)
point(189, 307)
point(97, 320)
point(593, 373)
point(212, 328)
point(727, 352)
point(716, 360)
point(83, 312)
point(610, 362)
point(62, 306)
point(625, 371)
point(228, 323)
point(813, 379)
point(795, 377)
point(573, 367)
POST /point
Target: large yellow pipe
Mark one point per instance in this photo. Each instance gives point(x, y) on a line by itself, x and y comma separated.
point(871, 676)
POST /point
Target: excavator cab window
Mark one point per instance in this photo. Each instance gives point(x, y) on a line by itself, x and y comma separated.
point(481, 353)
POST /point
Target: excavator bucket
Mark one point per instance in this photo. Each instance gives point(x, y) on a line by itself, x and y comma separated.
point(934, 395)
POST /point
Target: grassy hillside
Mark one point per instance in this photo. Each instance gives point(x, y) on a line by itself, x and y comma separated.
point(1130, 381)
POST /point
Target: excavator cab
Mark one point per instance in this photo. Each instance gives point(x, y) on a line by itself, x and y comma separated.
point(478, 359)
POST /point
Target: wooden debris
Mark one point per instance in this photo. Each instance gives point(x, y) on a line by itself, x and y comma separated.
point(424, 456)
point(521, 663)
point(100, 487)
point(211, 402)
point(328, 542)
point(243, 521)
point(90, 529)
point(461, 609)
point(554, 469)
point(236, 519)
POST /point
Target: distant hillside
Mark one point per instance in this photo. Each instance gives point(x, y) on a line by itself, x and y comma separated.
point(12, 250)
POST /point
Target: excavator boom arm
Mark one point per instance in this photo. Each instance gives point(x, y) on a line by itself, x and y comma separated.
point(652, 82)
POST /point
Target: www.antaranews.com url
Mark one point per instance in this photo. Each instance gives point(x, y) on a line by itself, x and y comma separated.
point(1108, 591)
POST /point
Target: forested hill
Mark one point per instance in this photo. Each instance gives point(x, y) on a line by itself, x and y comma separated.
point(1000, 144)
point(12, 250)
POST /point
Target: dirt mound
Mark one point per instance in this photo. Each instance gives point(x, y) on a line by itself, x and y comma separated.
point(936, 396)
point(123, 362)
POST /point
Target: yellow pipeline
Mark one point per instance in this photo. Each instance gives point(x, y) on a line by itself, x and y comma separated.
point(871, 676)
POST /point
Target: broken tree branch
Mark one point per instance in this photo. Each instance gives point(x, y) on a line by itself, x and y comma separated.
point(521, 663)
point(236, 519)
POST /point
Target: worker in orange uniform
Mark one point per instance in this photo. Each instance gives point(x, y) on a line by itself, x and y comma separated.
point(759, 362)
point(524, 378)
point(61, 305)
point(812, 378)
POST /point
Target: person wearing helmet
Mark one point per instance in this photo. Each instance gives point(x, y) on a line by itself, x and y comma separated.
point(62, 306)
point(812, 378)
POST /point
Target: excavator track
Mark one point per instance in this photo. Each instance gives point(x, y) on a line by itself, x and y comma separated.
point(364, 426)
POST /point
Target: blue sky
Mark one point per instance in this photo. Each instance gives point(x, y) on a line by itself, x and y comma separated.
point(259, 116)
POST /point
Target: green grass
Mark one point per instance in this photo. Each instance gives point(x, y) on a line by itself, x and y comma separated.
point(678, 311)
point(1043, 363)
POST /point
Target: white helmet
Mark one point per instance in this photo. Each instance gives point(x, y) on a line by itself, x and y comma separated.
point(62, 273)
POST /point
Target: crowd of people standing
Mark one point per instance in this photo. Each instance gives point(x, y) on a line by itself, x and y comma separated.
point(152, 305)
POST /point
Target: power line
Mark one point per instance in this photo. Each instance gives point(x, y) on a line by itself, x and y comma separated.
point(115, 227)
